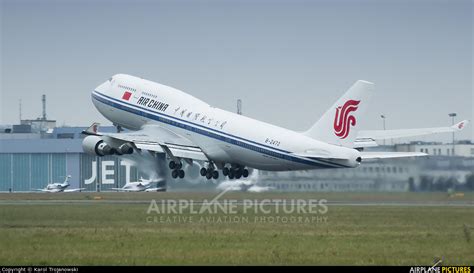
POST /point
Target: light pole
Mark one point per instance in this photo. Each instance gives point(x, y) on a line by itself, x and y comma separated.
point(383, 119)
point(67, 151)
point(239, 107)
point(452, 115)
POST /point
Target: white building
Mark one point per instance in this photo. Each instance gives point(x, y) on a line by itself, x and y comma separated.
point(403, 174)
point(461, 148)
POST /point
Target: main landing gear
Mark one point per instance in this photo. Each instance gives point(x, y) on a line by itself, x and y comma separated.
point(177, 169)
point(235, 172)
point(209, 172)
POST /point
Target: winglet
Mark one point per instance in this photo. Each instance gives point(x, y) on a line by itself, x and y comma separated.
point(460, 125)
point(92, 130)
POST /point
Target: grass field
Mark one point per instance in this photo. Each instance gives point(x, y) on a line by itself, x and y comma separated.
point(100, 233)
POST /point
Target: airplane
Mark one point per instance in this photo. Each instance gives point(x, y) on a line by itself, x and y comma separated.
point(60, 187)
point(141, 185)
point(163, 119)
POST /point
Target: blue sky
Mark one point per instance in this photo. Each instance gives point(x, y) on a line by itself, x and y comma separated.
point(287, 60)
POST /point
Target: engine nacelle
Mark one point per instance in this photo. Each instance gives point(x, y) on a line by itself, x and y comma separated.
point(95, 145)
point(125, 149)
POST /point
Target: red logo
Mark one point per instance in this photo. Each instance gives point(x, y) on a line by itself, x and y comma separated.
point(342, 120)
point(126, 95)
point(461, 125)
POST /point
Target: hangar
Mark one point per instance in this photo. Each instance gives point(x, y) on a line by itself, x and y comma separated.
point(32, 160)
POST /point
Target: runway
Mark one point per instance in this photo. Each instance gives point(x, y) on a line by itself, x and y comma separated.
point(269, 202)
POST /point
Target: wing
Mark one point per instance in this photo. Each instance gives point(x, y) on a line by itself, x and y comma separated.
point(155, 189)
point(43, 190)
point(381, 155)
point(125, 190)
point(74, 190)
point(52, 190)
point(153, 138)
point(368, 138)
point(116, 189)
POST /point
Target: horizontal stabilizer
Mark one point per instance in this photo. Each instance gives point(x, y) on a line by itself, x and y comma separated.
point(381, 155)
point(364, 143)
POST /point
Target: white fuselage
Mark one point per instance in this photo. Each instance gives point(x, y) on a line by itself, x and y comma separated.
point(56, 187)
point(136, 186)
point(223, 136)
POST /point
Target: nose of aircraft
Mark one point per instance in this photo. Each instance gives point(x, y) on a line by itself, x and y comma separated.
point(100, 91)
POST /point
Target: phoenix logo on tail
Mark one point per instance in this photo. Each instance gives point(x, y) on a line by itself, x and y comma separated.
point(343, 120)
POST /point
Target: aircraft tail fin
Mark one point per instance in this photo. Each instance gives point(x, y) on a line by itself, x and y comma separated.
point(339, 125)
point(66, 180)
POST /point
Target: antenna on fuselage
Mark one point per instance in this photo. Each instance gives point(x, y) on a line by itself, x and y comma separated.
point(239, 107)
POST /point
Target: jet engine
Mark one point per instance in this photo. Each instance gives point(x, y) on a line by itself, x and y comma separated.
point(95, 145)
point(125, 149)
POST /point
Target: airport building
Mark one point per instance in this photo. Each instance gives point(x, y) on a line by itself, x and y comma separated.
point(33, 156)
point(441, 169)
point(383, 175)
point(30, 161)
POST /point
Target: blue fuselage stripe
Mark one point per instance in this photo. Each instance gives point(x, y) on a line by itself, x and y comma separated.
point(228, 138)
